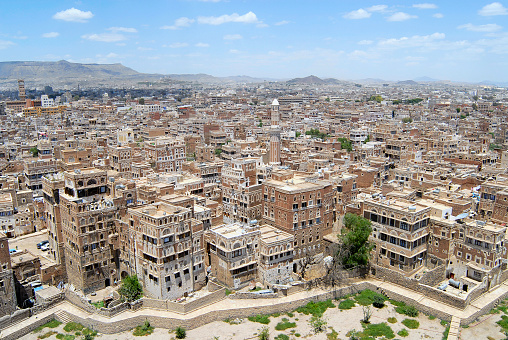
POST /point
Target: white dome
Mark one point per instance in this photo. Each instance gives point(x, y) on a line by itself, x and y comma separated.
point(275, 102)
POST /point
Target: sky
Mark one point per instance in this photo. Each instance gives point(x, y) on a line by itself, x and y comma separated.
point(273, 39)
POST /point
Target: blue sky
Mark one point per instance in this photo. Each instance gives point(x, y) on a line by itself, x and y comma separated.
point(393, 40)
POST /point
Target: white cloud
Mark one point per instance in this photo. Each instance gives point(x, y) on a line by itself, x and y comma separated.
point(365, 42)
point(377, 8)
point(438, 15)
point(234, 51)
point(200, 44)
point(179, 23)
point(178, 45)
point(481, 28)
point(112, 55)
point(50, 35)
point(401, 16)
point(123, 29)
point(425, 6)
point(233, 37)
point(140, 48)
point(73, 15)
point(5, 44)
point(494, 8)
point(104, 37)
point(283, 22)
point(248, 18)
point(414, 41)
point(358, 14)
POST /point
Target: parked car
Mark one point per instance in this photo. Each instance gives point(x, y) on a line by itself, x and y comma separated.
point(45, 247)
point(40, 244)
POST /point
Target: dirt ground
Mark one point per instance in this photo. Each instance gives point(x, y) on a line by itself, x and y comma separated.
point(342, 322)
point(484, 328)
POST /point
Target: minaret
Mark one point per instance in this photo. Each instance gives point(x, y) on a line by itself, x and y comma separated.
point(275, 134)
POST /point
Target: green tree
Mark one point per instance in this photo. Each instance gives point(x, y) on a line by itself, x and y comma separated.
point(458, 110)
point(345, 144)
point(475, 106)
point(298, 134)
point(131, 289)
point(407, 120)
point(141, 101)
point(356, 248)
point(34, 151)
point(218, 151)
point(260, 122)
point(366, 139)
point(378, 99)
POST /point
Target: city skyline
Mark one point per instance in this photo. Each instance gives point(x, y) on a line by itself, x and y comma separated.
point(391, 40)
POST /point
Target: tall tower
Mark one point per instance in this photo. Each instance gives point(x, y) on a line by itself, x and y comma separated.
point(21, 89)
point(275, 134)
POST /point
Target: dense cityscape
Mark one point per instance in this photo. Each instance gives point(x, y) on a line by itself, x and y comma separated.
point(250, 189)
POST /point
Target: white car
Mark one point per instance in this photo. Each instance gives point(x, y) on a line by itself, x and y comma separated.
point(45, 247)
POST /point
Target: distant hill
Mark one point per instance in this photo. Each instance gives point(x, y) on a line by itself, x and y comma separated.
point(407, 82)
point(65, 73)
point(206, 78)
point(425, 78)
point(307, 80)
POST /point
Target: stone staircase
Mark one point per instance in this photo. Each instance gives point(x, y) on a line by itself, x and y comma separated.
point(63, 317)
point(454, 332)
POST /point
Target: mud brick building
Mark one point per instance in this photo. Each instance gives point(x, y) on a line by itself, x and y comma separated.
point(168, 249)
point(300, 206)
point(241, 192)
point(88, 214)
point(7, 289)
point(165, 154)
point(400, 233)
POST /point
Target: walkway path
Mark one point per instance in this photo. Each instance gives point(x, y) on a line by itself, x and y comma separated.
point(67, 310)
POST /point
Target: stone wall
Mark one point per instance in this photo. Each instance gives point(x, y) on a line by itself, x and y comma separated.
point(435, 276)
point(17, 316)
point(29, 328)
point(185, 307)
point(250, 295)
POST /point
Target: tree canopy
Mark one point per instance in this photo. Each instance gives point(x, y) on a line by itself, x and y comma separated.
point(131, 289)
point(34, 151)
point(356, 247)
point(315, 133)
point(345, 144)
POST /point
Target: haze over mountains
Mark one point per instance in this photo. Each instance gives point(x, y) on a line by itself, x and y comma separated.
point(66, 74)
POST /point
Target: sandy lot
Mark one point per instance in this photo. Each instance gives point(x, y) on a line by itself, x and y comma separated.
point(342, 322)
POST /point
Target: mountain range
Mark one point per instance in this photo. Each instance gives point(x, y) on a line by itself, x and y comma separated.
point(61, 74)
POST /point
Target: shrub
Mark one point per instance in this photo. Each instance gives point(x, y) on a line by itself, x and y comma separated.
point(407, 310)
point(143, 330)
point(264, 319)
point(397, 303)
point(392, 320)
point(61, 336)
point(445, 333)
point(316, 308)
point(347, 304)
point(282, 337)
point(52, 324)
point(366, 297)
point(378, 330)
point(180, 332)
point(403, 332)
point(264, 333)
point(411, 323)
point(503, 322)
point(275, 315)
point(290, 314)
point(318, 324)
point(444, 322)
point(378, 301)
point(46, 335)
point(333, 335)
point(73, 326)
point(431, 317)
point(283, 325)
point(367, 313)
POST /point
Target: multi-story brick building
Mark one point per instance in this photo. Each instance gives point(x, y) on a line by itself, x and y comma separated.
point(7, 289)
point(88, 214)
point(165, 154)
point(400, 233)
point(36, 169)
point(300, 206)
point(241, 192)
point(168, 249)
point(120, 160)
point(276, 253)
point(51, 186)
